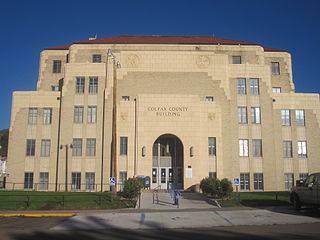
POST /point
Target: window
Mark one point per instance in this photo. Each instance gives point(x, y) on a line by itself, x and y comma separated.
point(77, 147)
point(96, 58)
point(242, 115)
point(32, 116)
point(122, 179)
point(45, 147)
point(303, 176)
point(209, 99)
point(93, 84)
point(300, 117)
point(254, 86)
point(258, 181)
point(78, 114)
point(276, 90)
point(241, 86)
point(47, 116)
point(92, 114)
point(76, 181)
point(257, 147)
point(90, 181)
point(285, 117)
point(212, 146)
point(123, 145)
point(275, 68)
point(56, 66)
point(302, 149)
point(28, 180)
point(288, 181)
point(287, 149)
point(244, 181)
point(212, 175)
point(255, 115)
point(31, 146)
point(55, 88)
point(236, 59)
point(91, 147)
point(67, 58)
point(80, 84)
point(125, 98)
point(44, 181)
point(243, 148)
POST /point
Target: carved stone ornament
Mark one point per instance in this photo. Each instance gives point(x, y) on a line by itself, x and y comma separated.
point(132, 60)
point(203, 61)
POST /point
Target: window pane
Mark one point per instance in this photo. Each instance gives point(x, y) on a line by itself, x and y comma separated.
point(212, 146)
point(93, 85)
point(255, 115)
point(76, 181)
point(91, 147)
point(125, 98)
point(302, 149)
point(47, 116)
point(96, 58)
point(258, 181)
point(78, 114)
point(275, 68)
point(44, 181)
point(56, 66)
point(80, 84)
point(45, 147)
point(242, 115)
point(236, 59)
point(285, 117)
point(254, 86)
point(28, 180)
point(257, 147)
point(123, 145)
point(30, 148)
point(92, 114)
point(77, 147)
point(90, 181)
point(241, 86)
point(287, 149)
point(276, 90)
point(300, 117)
point(244, 181)
point(288, 181)
point(32, 116)
point(209, 99)
point(243, 148)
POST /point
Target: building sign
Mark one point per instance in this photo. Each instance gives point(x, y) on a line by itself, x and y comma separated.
point(174, 111)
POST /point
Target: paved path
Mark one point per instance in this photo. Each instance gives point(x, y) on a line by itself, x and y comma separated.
point(183, 219)
point(187, 201)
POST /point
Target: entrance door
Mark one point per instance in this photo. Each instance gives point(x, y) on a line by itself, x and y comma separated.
point(167, 162)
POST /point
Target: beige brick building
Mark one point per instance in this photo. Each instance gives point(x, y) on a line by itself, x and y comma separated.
point(186, 108)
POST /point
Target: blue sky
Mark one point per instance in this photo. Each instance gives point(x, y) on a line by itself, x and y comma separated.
point(28, 26)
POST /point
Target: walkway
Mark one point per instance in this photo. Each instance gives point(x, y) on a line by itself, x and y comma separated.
point(187, 201)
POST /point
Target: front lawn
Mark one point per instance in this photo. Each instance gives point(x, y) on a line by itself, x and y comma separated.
point(27, 200)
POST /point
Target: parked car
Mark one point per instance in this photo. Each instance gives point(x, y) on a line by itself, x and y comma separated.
point(306, 192)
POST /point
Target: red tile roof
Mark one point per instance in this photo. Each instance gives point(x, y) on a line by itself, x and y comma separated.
point(165, 40)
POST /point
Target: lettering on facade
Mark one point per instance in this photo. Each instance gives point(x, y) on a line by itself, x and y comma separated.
point(168, 111)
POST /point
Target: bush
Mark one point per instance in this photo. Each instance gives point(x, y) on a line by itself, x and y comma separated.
point(132, 187)
point(214, 186)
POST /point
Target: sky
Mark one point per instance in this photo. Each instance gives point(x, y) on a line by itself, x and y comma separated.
point(29, 26)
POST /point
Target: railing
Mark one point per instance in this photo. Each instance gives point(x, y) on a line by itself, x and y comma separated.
point(155, 194)
point(61, 187)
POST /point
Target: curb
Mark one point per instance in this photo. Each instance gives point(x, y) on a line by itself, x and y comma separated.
point(38, 215)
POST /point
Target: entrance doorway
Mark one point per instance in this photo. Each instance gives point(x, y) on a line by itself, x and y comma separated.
point(167, 162)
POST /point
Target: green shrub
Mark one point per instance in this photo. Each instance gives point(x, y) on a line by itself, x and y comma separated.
point(132, 187)
point(214, 186)
point(225, 187)
point(210, 185)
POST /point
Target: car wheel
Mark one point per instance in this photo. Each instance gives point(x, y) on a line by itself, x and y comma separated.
point(296, 202)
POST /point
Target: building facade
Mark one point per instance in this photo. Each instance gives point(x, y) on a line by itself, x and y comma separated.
point(178, 109)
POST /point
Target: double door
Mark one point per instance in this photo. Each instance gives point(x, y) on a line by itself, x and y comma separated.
point(163, 176)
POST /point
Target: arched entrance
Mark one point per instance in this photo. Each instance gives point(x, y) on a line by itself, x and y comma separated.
point(167, 162)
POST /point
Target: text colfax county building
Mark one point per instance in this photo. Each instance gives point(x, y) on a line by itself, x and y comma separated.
point(178, 109)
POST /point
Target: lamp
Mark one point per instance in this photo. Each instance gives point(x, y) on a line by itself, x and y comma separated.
point(191, 151)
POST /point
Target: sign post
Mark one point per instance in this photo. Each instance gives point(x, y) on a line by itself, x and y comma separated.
point(236, 183)
point(112, 181)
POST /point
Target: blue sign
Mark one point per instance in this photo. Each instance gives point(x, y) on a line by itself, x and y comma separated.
point(112, 181)
point(236, 182)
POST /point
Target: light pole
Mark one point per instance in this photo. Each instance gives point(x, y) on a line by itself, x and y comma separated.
point(114, 122)
point(67, 149)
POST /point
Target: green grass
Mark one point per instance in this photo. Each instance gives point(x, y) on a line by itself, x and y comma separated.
point(26, 200)
point(256, 199)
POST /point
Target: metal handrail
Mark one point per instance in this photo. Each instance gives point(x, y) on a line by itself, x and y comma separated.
point(155, 193)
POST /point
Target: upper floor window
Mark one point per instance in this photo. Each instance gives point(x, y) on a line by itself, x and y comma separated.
point(77, 147)
point(254, 86)
point(275, 68)
point(78, 114)
point(80, 84)
point(91, 147)
point(241, 86)
point(123, 145)
point(242, 115)
point(47, 116)
point(55, 88)
point(255, 115)
point(276, 90)
point(45, 147)
point(212, 146)
point(302, 149)
point(243, 148)
point(125, 98)
point(31, 147)
point(209, 99)
point(32, 116)
point(56, 66)
point(93, 84)
point(257, 147)
point(236, 59)
point(285, 117)
point(96, 58)
point(92, 114)
point(287, 149)
point(300, 117)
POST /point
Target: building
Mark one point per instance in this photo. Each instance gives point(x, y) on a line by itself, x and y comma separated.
point(183, 108)
point(3, 168)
